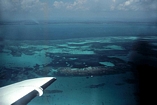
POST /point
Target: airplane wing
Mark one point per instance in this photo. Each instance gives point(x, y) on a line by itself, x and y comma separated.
point(21, 93)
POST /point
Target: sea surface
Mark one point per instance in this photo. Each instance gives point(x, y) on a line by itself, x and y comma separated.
point(95, 63)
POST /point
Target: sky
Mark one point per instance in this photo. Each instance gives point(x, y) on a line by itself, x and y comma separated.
point(78, 9)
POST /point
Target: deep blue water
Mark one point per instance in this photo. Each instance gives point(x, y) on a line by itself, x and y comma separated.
point(64, 30)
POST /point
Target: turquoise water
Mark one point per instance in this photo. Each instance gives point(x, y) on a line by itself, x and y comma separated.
point(92, 61)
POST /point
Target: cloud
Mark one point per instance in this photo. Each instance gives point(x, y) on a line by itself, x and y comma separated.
point(135, 5)
point(128, 2)
point(76, 5)
point(59, 4)
point(114, 1)
point(21, 5)
point(129, 5)
point(62, 8)
point(29, 4)
point(24, 9)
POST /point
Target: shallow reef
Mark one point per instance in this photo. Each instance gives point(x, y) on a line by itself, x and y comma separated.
point(72, 57)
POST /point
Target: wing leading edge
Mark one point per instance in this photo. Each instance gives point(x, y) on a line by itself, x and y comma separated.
point(21, 93)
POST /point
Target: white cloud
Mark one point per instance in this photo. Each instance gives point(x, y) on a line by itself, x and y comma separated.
point(71, 7)
point(112, 7)
point(76, 5)
point(21, 5)
point(114, 1)
point(29, 4)
point(129, 5)
point(141, 5)
point(59, 4)
point(93, 5)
